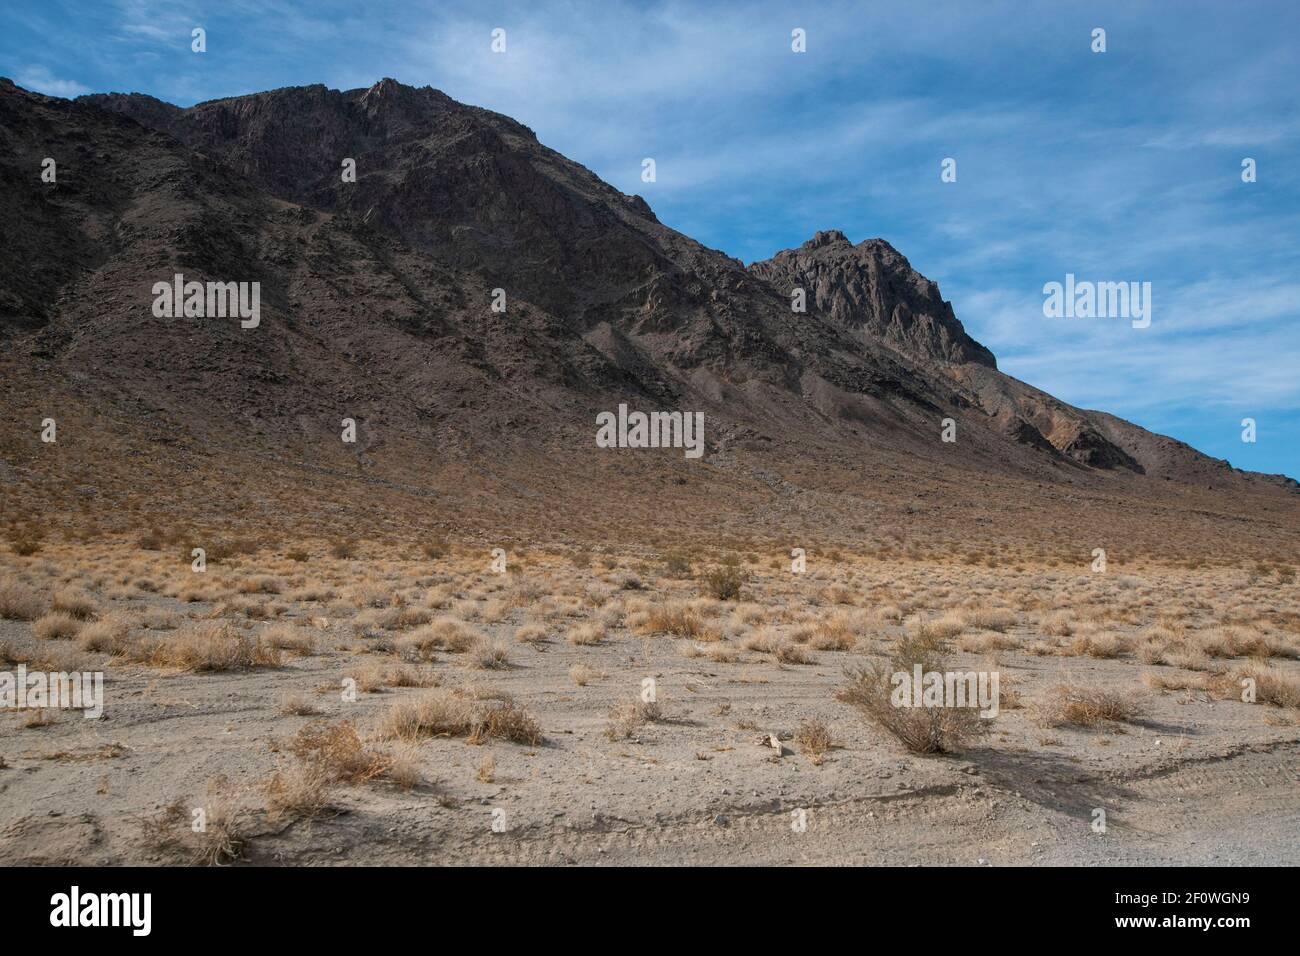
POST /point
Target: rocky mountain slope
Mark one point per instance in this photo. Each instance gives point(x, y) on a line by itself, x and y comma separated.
point(377, 305)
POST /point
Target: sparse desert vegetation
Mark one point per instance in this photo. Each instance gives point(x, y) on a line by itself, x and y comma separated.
point(338, 676)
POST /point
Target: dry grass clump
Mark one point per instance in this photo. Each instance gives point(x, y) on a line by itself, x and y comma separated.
point(532, 634)
point(1102, 646)
point(488, 656)
point(505, 720)
point(1271, 685)
point(763, 641)
point(1236, 642)
point(1074, 705)
point(787, 652)
point(18, 602)
point(448, 634)
point(208, 647)
point(720, 653)
point(626, 719)
point(297, 793)
point(1193, 659)
point(1059, 624)
point(438, 714)
point(336, 750)
point(585, 635)
point(813, 739)
point(986, 642)
point(937, 629)
point(582, 675)
point(443, 714)
point(74, 603)
point(679, 620)
point(294, 640)
point(840, 633)
point(839, 594)
point(56, 626)
point(295, 703)
point(222, 837)
point(989, 619)
point(109, 635)
point(920, 729)
point(261, 584)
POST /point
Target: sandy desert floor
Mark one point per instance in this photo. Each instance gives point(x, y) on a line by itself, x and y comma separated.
point(336, 704)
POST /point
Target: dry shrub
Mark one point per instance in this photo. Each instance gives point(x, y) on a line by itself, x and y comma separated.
point(375, 676)
point(297, 704)
point(344, 549)
point(223, 837)
point(433, 715)
point(299, 792)
point(294, 640)
point(719, 653)
point(584, 635)
point(937, 629)
point(1073, 705)
point(109, 635)
point(56, 626)
point(443, 714)
point(582, 675)
point(74, 603)
point(531, 634)
point(920, 729)
point(677, 565)
point(813, 739)
point(506, 720)
point(985, 643)
point(489, 656)
point(990, 619)
point(18, 602)
point(445, 634)
point(763, 641)
point(261, 584)
point(677, 619)
point(626, 719)
point(337, 753)
point(1235, 642)
point(789, 653)
point(1058, 625)
point(1102, 646)
point(25, 542)
point(209, 647)
point(840, 633)
point(1271, 685)
point(839, 594)
point(723, 584)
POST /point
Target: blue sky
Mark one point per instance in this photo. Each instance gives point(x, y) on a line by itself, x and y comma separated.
point(1115, 166)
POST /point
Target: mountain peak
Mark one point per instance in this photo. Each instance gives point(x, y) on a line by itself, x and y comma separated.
point(872, 291)
point(827, 237)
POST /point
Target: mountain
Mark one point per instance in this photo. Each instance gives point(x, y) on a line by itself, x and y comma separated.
point(376, 305)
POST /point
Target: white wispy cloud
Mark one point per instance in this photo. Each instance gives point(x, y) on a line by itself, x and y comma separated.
point(41, 80)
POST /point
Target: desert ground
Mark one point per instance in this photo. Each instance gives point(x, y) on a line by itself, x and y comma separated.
point(345, 702)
